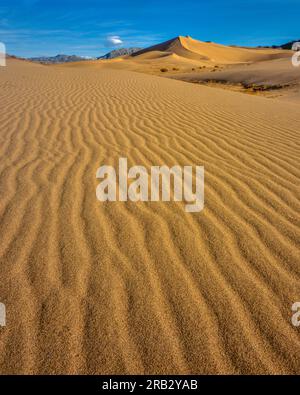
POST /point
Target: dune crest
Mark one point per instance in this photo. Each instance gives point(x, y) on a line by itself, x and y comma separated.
point(190, 48)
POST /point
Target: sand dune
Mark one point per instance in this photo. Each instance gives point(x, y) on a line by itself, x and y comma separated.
point(195, 61)
point(187, 47)
point(95, 287)
point(186, 52)
point(278, 73)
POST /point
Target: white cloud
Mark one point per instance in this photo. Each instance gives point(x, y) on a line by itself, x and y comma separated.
point(114, 40)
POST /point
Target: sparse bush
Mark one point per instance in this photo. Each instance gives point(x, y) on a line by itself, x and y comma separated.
point(164, 70)
point(175, 69)
point(262, 87)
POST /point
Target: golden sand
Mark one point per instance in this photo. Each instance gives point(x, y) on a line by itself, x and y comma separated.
point(125, 287)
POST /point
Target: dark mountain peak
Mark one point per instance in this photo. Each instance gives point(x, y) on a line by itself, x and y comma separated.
point(119, 52)
point(60, 58)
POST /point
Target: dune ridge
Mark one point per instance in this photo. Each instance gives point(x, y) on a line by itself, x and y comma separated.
point(187, 47)
point(95, 287)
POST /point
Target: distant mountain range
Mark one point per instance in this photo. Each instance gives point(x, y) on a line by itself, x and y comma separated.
point(58, 59)
point(74, 58)
point(289, 45)
point(119, 52)
point(283, 46)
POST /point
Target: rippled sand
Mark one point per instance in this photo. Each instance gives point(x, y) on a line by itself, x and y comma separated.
point(95, 287)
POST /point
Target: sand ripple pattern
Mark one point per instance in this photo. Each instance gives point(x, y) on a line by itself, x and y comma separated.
point(145, 287)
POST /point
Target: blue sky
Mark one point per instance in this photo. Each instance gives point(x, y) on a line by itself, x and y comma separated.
point(94, 27)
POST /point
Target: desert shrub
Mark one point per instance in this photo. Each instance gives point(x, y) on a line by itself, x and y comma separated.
point(262, 87)
point(175, 69)
point(164, 70)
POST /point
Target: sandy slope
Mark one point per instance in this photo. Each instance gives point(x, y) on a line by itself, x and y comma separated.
point(185, 54)
point(278, 72)
point(209, 52)
point(145, 287)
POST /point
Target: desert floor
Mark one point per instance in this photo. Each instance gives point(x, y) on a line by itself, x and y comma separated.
point(125, 287)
